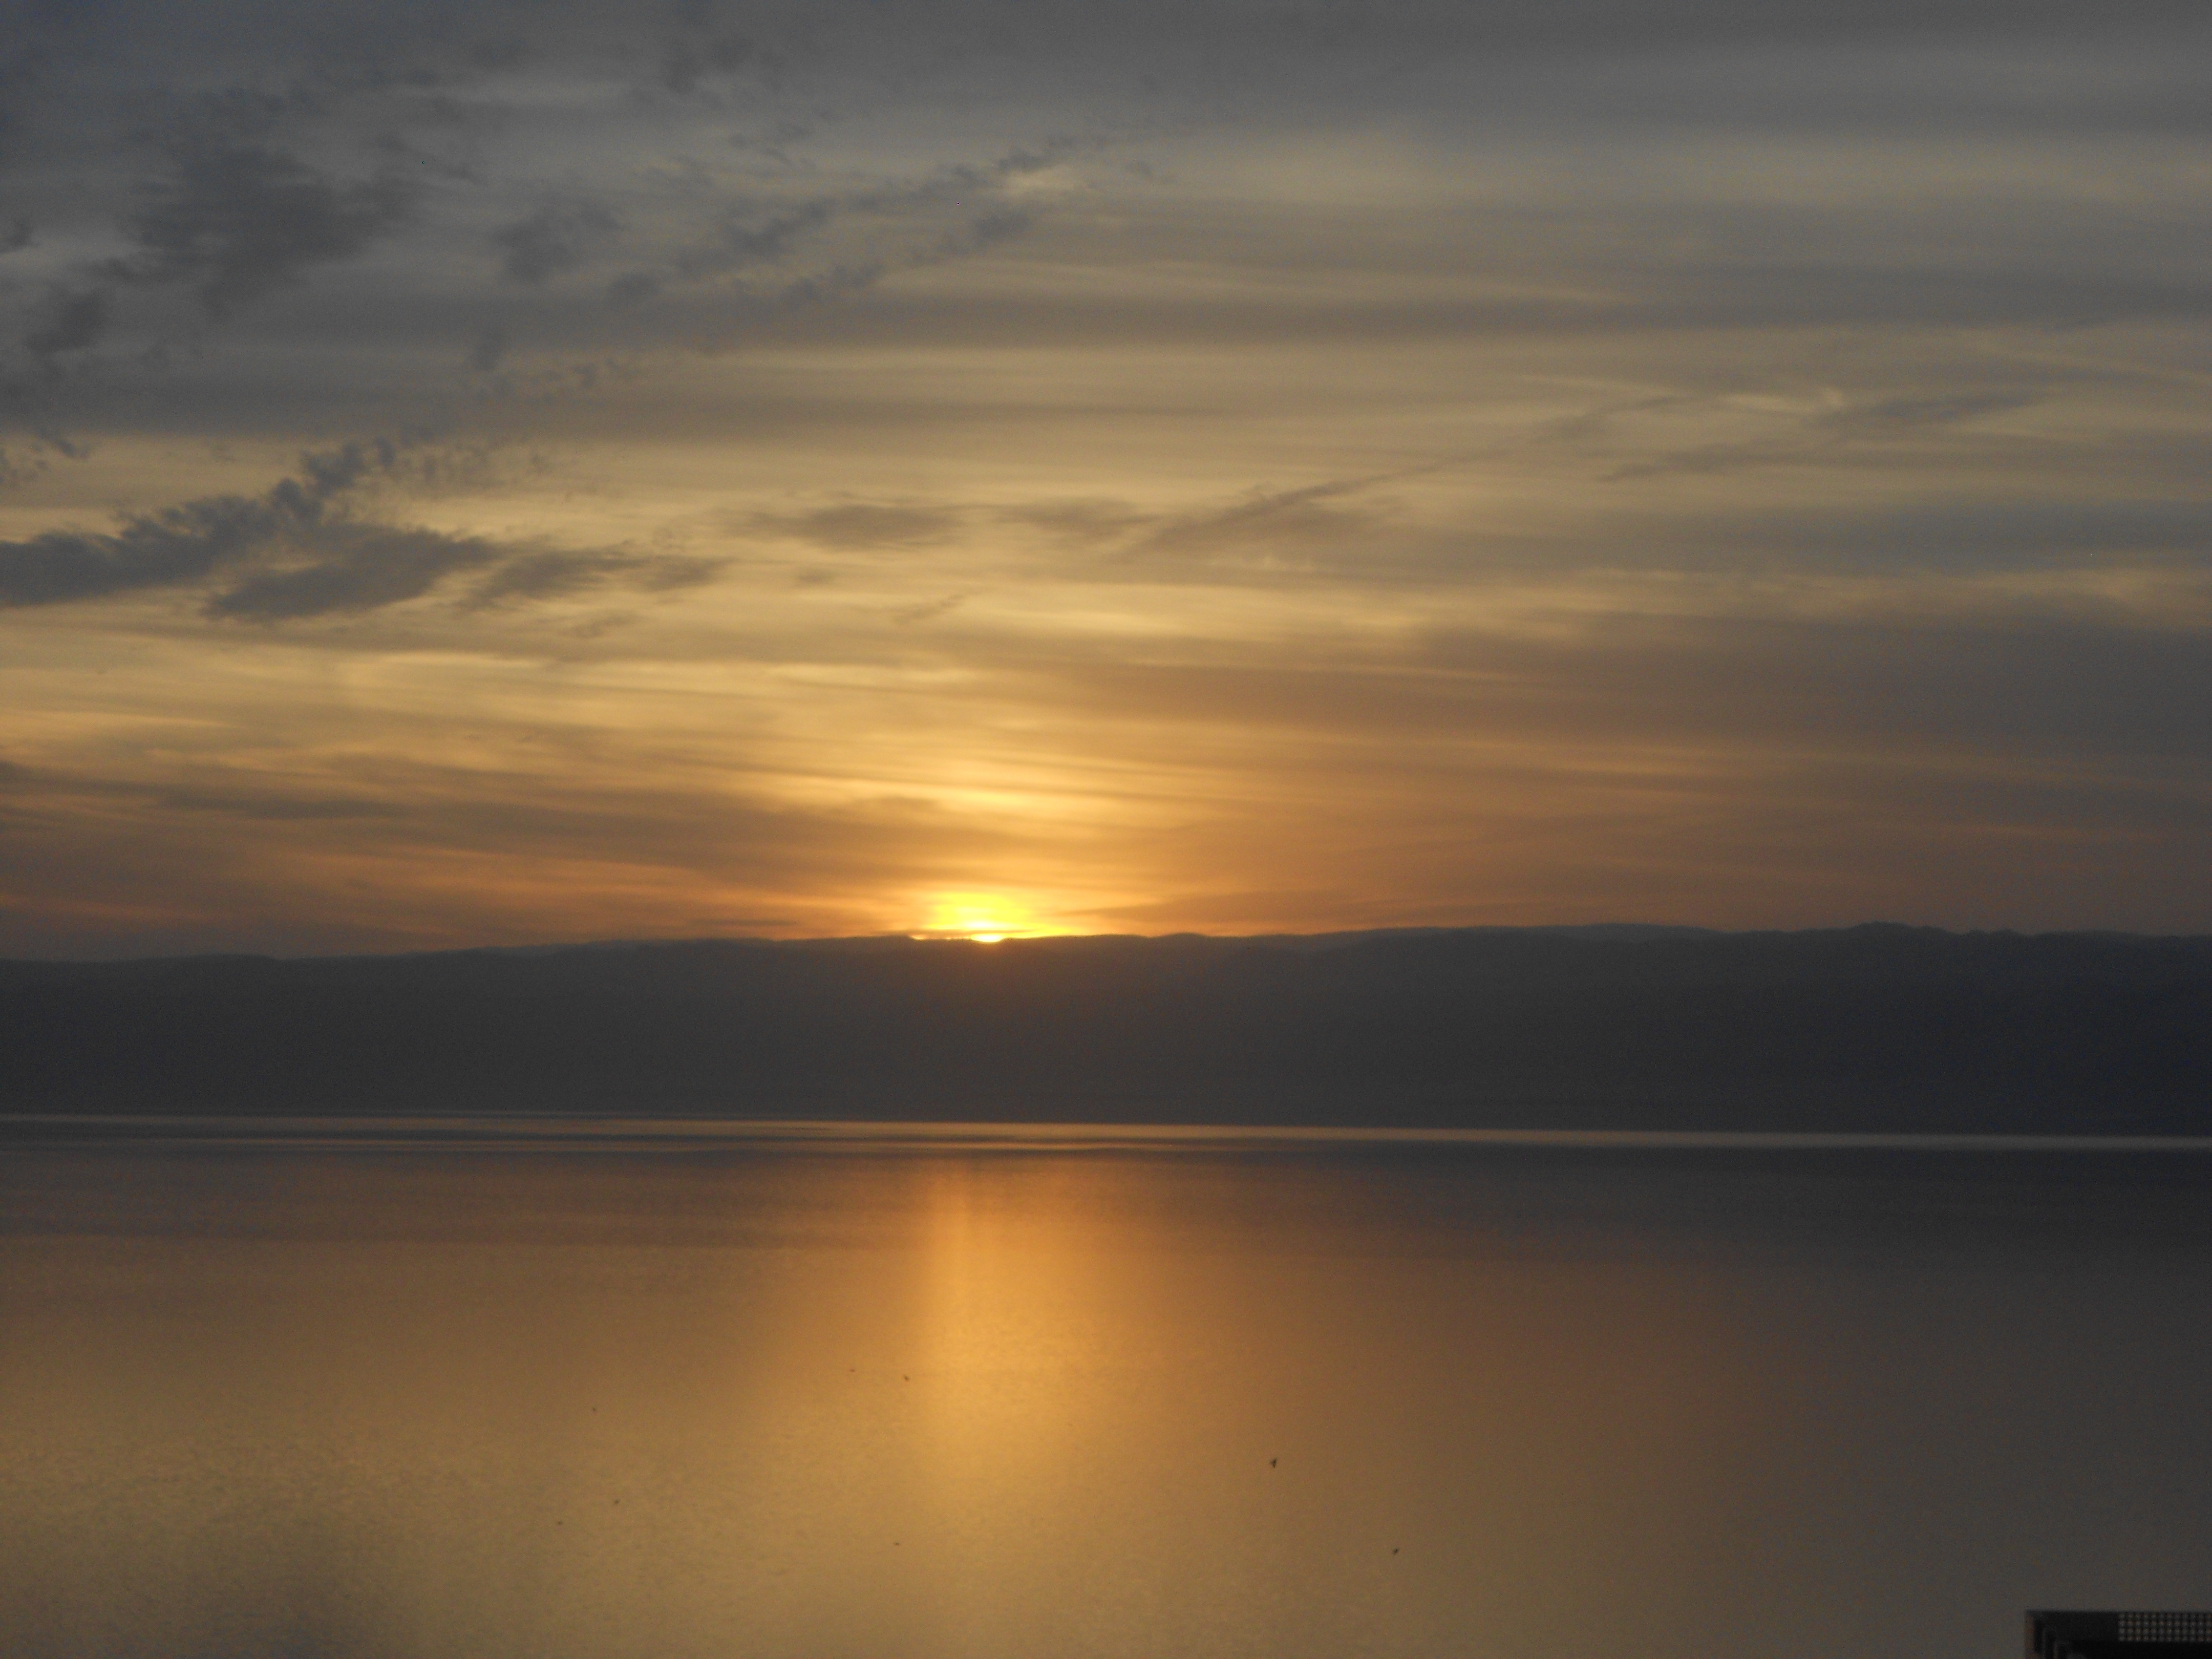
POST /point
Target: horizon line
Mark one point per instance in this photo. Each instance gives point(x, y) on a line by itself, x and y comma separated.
point(511, 1130)
point(1621, 932)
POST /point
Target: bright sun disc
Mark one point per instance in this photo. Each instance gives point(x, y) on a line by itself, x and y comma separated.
point(983, 917)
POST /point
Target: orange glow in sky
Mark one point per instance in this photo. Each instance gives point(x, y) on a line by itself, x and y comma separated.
point(836, 502)
point(986, 918)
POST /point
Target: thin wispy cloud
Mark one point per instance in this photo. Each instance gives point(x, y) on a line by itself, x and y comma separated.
point(298, 551)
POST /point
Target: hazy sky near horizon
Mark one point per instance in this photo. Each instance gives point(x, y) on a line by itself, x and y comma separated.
point(495, 472)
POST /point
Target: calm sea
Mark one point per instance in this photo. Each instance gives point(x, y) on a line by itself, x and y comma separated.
point(606, 1391)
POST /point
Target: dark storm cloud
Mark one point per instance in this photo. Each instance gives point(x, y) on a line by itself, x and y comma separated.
point(295, 553)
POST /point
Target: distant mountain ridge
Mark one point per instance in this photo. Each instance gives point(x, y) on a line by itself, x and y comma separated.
point(1874, 1028)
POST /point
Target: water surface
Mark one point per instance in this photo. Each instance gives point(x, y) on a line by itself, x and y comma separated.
point(612, 1390)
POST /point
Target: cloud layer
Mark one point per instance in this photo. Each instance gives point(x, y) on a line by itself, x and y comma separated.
point(1247, 466)
point(295, 552)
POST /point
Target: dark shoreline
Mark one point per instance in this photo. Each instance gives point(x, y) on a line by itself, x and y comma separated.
point(1875, 1030)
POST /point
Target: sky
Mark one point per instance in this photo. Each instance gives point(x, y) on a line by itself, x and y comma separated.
point(495, 473)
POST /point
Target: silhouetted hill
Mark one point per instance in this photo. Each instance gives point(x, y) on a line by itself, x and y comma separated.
point(1868, 1028)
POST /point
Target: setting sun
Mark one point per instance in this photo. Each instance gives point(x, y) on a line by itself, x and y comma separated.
point(986, 918)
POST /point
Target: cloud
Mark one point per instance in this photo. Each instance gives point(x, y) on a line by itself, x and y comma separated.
point(72, 319)
point(1821, 437)
point(985, 230)
point(555, 574)
point(1272, 524)
point(237, 217)
point(1971, 535)
point(1878, 315)
point(1890, 416)
point(1275, 527)
point(700, 44)
point(352, 569)
point(685, 63)
point(963, 181)
point(914, 615)
point(552, 242)
point(748, 235)
point(253, 161)
point(165, 548)
point(1081, 523)
point(755, 232)
point(224, 792)
point(294, 552)
point(489, 349)
point(859, 526)
point(1666, 696)
point(839, 282)
point(633, 288)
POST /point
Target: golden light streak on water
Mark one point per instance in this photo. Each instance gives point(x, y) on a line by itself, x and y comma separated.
point(1000, 1394)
